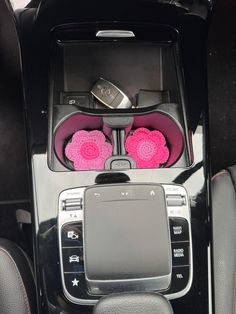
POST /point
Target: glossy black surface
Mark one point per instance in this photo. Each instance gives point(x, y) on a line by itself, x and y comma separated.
point(47, 185)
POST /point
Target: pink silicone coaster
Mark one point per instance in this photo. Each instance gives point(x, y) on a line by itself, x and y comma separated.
point(88, 150)
point(147, 148)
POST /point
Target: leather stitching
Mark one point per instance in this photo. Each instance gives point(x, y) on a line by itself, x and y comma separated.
point(221, 173)
point(25, 298)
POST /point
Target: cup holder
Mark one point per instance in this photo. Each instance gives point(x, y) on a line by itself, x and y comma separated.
point(155, 121)
point(169, 127)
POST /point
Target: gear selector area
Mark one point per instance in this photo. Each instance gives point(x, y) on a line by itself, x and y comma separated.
point(125, 238)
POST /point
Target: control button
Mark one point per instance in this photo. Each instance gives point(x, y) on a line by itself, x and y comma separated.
point(117, 102)
point(179, 229)
point(78, 100)
point(72, 204)
point(179, 280)
point(81, 99)
point(120, 164)
point(180, 253)
point(72, 235)
point(73, 260)
point(76, 285)
point(175, 200)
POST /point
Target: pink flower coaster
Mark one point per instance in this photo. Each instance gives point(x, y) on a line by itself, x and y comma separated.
point(147, 148)
point(88, 150)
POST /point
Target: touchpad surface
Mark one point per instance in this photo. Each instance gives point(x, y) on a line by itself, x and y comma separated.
point(126, 232)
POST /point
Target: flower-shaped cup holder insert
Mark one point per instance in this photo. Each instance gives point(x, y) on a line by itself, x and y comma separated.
point(88, 150)
point(147, 148)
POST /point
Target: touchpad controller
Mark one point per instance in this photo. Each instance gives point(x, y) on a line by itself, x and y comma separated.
point(127, 242)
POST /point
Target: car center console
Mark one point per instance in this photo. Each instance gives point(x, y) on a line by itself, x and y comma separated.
point(118, 131)
point(91, 225)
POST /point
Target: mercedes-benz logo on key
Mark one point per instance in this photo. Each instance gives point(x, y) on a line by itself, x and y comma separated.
point(105, 91)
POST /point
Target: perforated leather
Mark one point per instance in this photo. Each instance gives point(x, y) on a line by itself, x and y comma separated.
point(133, 303)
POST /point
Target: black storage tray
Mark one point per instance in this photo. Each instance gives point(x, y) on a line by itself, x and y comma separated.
point(132, 65)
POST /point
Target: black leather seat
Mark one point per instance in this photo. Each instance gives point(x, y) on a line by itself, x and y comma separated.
point(224, 240)
point(17, 287)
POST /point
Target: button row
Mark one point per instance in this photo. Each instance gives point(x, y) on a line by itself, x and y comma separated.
point(180, 245)
point(179, 232)
point(73, 259)
point(72, 247)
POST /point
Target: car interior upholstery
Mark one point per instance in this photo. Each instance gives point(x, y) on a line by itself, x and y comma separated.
point(117, 157)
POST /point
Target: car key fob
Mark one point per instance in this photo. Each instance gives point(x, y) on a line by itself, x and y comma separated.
point(110, 95)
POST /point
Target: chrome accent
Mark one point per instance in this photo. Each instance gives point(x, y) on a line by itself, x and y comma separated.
point(115, 33)
point(72, 204)
point(175, 200)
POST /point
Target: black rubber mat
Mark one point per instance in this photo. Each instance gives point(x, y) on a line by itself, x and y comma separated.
point(222, 84)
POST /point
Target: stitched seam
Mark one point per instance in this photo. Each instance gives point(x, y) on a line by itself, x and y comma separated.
point(221, 173)
point(26, 303)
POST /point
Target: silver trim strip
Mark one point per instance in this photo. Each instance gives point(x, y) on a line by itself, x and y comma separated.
point(115, 33)
point(72, 204)
point(77, 215)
